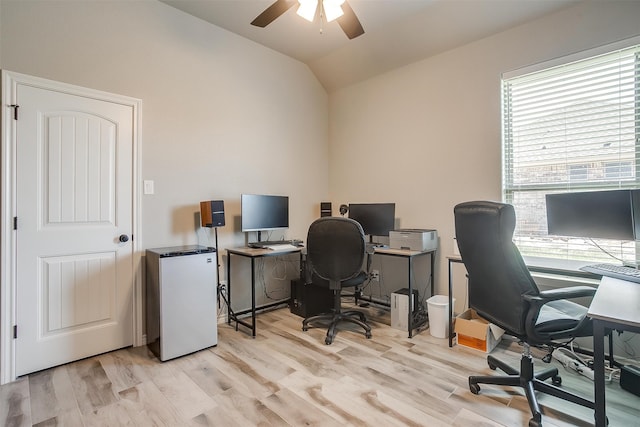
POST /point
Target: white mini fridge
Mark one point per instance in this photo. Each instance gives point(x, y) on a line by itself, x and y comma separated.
point(181, 300)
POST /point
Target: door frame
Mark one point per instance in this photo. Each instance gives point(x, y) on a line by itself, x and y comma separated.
point(8, 238)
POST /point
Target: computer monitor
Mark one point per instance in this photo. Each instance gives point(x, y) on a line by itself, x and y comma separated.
point(262, 212)
point(376, 219)
point(611, 214)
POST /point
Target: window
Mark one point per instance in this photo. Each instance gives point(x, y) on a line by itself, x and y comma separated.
point(618, 170)
point(570, 127)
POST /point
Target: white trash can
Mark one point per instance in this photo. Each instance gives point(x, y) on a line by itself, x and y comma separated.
point(438, 309)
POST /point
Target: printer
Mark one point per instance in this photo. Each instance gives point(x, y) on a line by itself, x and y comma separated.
point(413, 239)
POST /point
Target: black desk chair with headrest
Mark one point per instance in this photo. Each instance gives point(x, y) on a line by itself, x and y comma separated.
point(502, 291)
point(335, 255)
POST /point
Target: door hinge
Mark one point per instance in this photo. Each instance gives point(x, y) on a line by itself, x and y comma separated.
point(15, 111)
point(15, 222)
point(15, 332)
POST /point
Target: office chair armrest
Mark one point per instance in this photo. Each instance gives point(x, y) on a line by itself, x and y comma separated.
point(537, 301)
point(562, 293)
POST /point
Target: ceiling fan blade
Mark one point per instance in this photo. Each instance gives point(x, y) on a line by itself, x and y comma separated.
point(273, 12)
point(349, 22)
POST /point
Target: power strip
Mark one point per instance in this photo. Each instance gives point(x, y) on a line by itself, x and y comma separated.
point(585, 371)
point(571, 363)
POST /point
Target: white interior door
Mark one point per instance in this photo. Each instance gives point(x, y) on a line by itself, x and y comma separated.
point(73, 187)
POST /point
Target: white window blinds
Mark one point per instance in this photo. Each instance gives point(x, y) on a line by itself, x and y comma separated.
point(573, 127)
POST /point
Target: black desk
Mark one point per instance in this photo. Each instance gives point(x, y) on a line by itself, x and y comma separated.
point(616, 305)
point(253, 254)
point(410, 256)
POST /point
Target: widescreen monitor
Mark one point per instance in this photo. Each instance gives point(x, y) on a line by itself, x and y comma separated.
point(376, 219)
point(262, 212)
point(611, 214)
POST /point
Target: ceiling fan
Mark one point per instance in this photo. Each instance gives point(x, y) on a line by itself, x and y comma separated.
point(330, 9)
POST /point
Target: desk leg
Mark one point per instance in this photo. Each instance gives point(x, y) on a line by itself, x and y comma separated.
point(253, 297)
point(451, 333)
point(433, 267)
point(410, 318)
point(229, 288)
point(598, 373)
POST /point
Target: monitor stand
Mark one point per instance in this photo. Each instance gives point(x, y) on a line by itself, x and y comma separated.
point(374, 244)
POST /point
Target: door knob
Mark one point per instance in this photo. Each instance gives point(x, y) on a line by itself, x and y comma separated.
point(123, 238)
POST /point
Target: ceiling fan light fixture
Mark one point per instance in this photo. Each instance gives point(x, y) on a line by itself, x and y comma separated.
point(329, 10)
point(307, 9)
point(332, 9)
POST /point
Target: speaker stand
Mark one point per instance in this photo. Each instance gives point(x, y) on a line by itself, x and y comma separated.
point(221, 289)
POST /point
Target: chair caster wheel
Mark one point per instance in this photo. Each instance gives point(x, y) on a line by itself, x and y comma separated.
point(535, 423)
point(474, 388)
point(556, 380)
point(305, 329)
point(492, 366)
point(328, 341)
point(368, 335)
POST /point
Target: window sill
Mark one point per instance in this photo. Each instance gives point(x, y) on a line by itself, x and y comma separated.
point(556, 266)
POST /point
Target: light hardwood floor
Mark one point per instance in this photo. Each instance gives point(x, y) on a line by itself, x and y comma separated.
point(288, 377)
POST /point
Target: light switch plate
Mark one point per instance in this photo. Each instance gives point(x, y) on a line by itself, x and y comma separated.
point(148, 186)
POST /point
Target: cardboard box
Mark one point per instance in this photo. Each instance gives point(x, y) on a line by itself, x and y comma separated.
point(475, 332)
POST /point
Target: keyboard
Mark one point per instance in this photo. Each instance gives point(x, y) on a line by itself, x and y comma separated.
point(265, 243)
point(282, 247)
point(268, 244)
point(629, 274)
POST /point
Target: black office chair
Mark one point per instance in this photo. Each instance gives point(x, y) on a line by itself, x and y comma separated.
point(335, 255)
point(502, 291)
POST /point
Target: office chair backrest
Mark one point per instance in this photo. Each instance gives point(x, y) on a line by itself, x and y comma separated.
point(498, 276)
point(335, 249)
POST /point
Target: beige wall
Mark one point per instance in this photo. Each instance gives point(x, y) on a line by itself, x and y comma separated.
point(214, 105)
point(427, 136)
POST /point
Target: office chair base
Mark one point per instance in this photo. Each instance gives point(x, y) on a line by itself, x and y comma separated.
point(350, 316)
point(530, 383)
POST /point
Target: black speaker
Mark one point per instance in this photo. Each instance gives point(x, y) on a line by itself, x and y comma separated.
point(325, 209)
point(212, 213)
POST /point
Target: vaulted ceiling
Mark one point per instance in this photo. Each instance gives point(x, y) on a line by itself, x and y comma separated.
point(397, 32)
